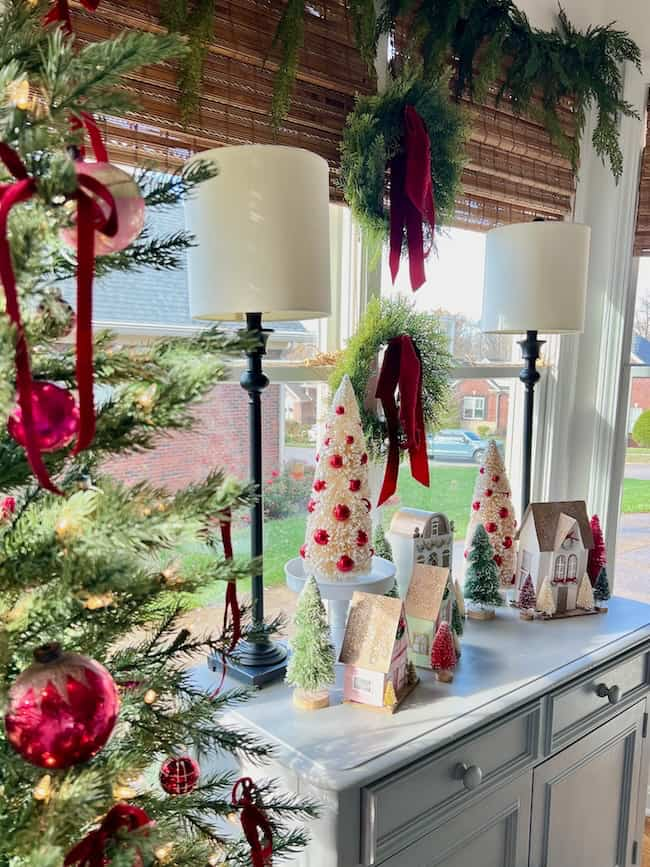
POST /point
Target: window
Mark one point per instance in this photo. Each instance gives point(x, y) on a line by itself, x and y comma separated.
point(524, 565)
point(362, 684)
point(473, 408)
point(560, 569)
point(572, 568)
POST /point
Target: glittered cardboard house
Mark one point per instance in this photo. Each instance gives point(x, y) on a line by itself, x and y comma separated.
point(554, 543)
point(428, 602)
point(418, 536)
point(375, 650)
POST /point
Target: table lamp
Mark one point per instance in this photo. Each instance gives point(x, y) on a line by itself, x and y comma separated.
point(262, 249)
point(535, 281)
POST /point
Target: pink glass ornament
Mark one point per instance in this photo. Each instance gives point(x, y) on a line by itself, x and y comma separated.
point(56, 417)
point(62, 709)
point(128, 203)
point(178, 776)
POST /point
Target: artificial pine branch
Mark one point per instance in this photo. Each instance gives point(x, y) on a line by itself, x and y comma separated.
point(289, 36)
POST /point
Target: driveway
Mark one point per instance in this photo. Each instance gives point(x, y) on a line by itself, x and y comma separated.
point(633, 557)
point(637, 471)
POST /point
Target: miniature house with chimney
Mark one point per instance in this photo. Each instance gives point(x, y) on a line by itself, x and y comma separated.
point(554, 543)
point(375, 652)
point(418, 536)
point(429, 601)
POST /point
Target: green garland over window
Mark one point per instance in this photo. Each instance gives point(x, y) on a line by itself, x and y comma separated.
point(373, 135)
point(491, 40)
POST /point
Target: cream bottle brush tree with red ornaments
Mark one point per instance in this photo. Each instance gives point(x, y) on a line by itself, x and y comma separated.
point(492, 506)
point(338, 542)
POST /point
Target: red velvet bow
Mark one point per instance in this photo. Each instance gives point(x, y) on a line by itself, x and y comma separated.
point(91, 217)
point(21, 190)
point(411, 197)
point(232, 605)
point(253, 821)
point(402, 368)
point(60, 11)
point(91, 851)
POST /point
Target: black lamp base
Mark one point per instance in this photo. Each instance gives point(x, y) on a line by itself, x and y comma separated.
point(257, 664)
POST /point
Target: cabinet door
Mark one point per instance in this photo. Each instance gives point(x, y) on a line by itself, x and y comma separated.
point(491, 833)
point(585, 798)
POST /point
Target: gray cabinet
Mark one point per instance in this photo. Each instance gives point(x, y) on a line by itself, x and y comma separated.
point(491, 833)
point(586, 798)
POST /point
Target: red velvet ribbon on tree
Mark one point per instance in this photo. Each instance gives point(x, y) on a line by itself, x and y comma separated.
point(232, 605)
point(91, 217)
point(91, 851)
point(411, 197)
point(60, 11)
point(253, 821)
point(402, 368)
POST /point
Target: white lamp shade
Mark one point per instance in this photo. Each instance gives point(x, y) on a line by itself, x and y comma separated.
point(262, 235)
point(536, 278)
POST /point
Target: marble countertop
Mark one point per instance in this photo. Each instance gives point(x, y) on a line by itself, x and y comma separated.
point(505, 663)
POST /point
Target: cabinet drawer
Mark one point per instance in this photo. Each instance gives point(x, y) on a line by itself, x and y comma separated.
point(596, 698)
point(401, 808)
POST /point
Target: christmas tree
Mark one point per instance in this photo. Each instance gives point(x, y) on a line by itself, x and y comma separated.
point(598, 554)
point(492, 507)
point(601, 587)
point(381, 544)
point(545, 599)
point(94, 578)
point(443, 653)
point(585, 598)
point(481, 574)
point(311, 666)
point(390, 698)
point(338, 542)
point(527, 598)
point(456, 620)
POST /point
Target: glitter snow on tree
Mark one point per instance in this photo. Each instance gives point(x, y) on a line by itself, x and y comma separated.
point(338, 542)
point(492, 507)
point(311, 666)
point(601, 587)
point(443, 653)
point(586, 595)
point(545, 600)
point(527, 598)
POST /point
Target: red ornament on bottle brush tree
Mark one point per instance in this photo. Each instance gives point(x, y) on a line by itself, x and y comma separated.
point(55, 418)
point(179, 775)
point(62, 709)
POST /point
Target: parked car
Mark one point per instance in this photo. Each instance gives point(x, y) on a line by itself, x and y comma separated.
point(457, 445)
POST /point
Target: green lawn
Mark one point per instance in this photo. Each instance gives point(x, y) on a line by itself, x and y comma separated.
point(450, 492)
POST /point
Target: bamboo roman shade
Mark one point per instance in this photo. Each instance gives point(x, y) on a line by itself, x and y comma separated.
point(237, 83)
point(642, 234)
point(514, 171)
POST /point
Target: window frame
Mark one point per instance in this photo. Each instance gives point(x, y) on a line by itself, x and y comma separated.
point(478, 400)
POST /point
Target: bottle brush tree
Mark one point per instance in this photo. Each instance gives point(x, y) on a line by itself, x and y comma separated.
point(585, 597)
point(93, 576)
point(545, 599)
point(481, 574)
point(527, 598)
point(598, 554)
point(311, 666)
point(443, 652)
point(601, 587)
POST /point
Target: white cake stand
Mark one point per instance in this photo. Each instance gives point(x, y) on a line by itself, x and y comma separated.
point(337, 594)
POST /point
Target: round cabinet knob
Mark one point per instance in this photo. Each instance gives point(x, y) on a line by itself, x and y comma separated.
point(471, 775)
point(611, 693)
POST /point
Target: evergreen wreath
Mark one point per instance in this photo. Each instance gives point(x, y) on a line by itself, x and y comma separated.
point(383, 320)
point(492, 43)
point(373, 135)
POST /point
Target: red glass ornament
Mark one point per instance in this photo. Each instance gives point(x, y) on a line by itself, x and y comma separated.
point(362, 538)
point(7, 507)
point(372, 552)
point(319, 485)
point(128, 203)
point(336, 461)
point(321, 537)
point(179, 776)
point(491, 527)
point(507, 542)
point(349, 439)
point(327, 441)
point(364, 458)
point(341, 512)
point(498, 559)
point(482, 470)
point(311, 505)
point(495, 478)
point(476, 505)
point(354, 484)
point(503, 512)
point(345, 563)
point(465, 554)
point(367, 502)
point(56, 417)
point(489, 492)
point(340, 410)
point(303, 551)
point(317, 457)
point(62, 709)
